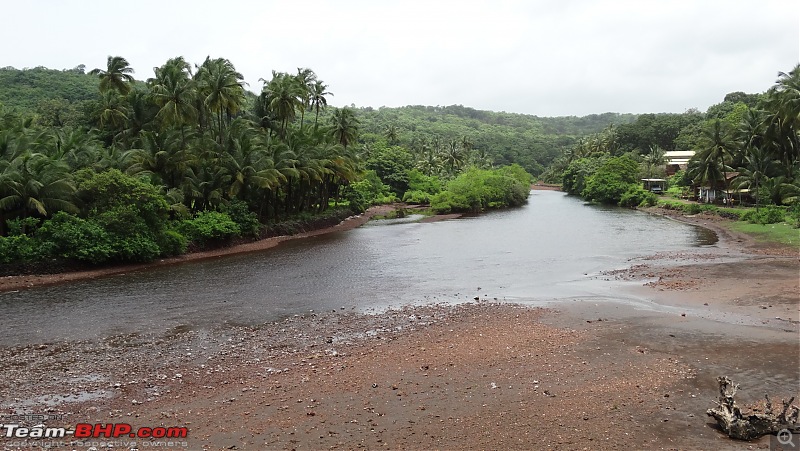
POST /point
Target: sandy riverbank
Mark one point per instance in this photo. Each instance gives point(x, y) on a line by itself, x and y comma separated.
point(579, 375)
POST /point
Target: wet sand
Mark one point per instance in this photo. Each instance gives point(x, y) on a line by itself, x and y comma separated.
point(578, 375)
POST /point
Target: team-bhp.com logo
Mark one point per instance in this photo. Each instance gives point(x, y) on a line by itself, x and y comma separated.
point(98, 430)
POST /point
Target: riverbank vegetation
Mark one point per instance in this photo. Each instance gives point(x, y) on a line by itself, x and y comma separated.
point(746, 144)
point(101, 168)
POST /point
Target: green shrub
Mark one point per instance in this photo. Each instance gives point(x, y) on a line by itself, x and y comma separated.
point(19, 248)
point(417, 197)
point(794, 214)
point(172, 243)
point(209, 226)
point(240, 213)
point(636, 196)
point(71, 237)
point(448, 201)
point(765, 215)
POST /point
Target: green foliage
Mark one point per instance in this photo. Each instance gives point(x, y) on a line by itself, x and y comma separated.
point(172, 243)
point(19, 248)
point(246, 220)
point(636, 196)
point(68, 236)
point(417, 181)
point(370, 190)
point(112, 190)
point(208, 226)
point(794, 214)
point(479, 189)
point(392, 165)
point(421, 187)
point(26, 89)
point(500, 138)
point(417, 197)
point(614, 177)
point(767, 215)
point(21, 226)
point(576, 174)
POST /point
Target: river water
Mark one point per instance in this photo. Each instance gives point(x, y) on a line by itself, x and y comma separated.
point(551, 249)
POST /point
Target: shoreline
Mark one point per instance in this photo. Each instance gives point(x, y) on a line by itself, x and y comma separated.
point(18, 282)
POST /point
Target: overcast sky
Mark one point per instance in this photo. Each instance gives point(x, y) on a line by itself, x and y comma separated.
point(549, 58)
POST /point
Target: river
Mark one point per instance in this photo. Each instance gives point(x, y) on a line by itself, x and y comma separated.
point(551, 249)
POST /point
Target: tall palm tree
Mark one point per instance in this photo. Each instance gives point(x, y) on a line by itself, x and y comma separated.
point(318, 100)
point(758, 165)
point(305, 79)
point(117, 76)
point(391, 133)
point(344, 126)
point(174, 92)
point(710, 162)
point(221, 90)
point(454, 157)
point(284, 96)
point(783, 120)
point(654, 158)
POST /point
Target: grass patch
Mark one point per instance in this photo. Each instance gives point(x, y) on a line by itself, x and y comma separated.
point(779, 233)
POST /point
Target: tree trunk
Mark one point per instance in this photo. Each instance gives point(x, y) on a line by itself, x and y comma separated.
point(740, 427)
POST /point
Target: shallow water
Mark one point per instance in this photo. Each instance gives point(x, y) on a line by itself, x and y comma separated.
point(550, 249)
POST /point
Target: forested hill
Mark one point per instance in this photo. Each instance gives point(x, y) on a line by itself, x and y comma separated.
point(25, 89)
point(531, 141)
point(62, 97)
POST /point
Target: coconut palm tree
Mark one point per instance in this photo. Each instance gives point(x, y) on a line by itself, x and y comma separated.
point(174, 91)
point(710, 162)
point(759, 164)
point(318, 100)
point(305, 78)
point(391, 133)
point(221, 90)
point(118, 76)
point(32, 183)
point(654, 158)
point(284, 96)
point(344, 126)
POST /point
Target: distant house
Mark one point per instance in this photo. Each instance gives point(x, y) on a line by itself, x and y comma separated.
point(717, 194)
point(657, 186)
point(677, 160)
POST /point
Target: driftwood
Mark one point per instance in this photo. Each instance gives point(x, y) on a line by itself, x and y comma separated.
point(741, 427)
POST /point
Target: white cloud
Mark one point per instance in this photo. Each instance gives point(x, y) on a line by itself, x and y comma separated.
point(539, 57)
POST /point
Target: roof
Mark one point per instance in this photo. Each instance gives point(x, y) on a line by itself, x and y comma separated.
point(654, 180)
point(678, 161)
point(679, 154)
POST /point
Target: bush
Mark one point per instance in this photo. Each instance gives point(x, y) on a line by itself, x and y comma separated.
point(172, 243)
point(209, 226)
point(479, 189)
point(240, 213)
point(765, 215)
point(367, 191)
point(417, 197)
point(19, 248)
point(613, 178)
point(71, 237)
point(636, 196)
